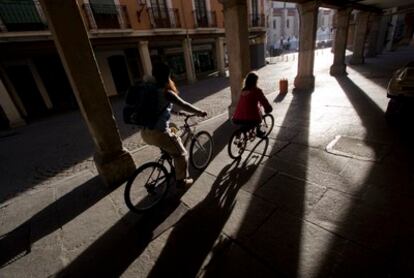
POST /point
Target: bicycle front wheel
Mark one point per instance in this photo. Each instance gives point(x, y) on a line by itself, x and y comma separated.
point(201, 150)
point(237, 144)
point(268, 122)
point(146, 187)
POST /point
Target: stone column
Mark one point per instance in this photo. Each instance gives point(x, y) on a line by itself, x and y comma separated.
point(391, 29)
point(382, 34)
point(12, 92)
point(360, 35)
point(238, 48)
point(308, 13)
point(221, 67)
point(40, 85)
point(114, 163)
point(11, 111)
point(189, 62)
point(145, 57)
point(341, 38)
point(409, 28)
point(373, 36)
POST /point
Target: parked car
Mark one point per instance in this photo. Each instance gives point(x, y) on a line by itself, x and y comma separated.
point(400, 90)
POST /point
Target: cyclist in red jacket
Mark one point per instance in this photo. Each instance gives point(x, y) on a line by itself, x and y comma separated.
point(248, 111)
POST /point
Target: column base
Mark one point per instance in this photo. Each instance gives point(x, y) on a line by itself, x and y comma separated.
point(304, 83)
point(116, 168)
point(338, 70)
point(356, 60)
point(17, 123)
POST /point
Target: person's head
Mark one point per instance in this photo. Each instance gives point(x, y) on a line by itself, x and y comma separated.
point(251, 81)
point(161, 73)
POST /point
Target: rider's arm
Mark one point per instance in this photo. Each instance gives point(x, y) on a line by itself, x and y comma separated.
point(175, 99)
point(264, 102)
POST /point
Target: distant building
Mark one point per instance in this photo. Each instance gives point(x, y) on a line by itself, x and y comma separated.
point(283, 24)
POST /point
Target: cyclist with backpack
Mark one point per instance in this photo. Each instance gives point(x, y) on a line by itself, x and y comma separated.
point(159, 134)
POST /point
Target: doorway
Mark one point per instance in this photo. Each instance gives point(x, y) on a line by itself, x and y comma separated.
point(119, 71)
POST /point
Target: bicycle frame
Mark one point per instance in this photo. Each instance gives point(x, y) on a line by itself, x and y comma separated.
point(186, 131)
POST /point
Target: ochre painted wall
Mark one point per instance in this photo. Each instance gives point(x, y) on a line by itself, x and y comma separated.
point(139, 18)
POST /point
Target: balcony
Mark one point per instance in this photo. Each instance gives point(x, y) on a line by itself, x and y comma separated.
point(21, 16)
point(104, 16)
point(204, 19)
point(164, 18)
point(256, 20)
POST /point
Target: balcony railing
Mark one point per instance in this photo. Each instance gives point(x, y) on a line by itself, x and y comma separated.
point(104, 16)
point(164, 18)
point(256, 20)
point(21, 16)
point(204, 19)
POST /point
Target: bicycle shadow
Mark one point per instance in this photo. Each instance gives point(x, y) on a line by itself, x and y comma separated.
point(195, 235)
point(114, 251)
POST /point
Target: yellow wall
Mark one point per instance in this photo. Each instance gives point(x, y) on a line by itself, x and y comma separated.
point(142, 22)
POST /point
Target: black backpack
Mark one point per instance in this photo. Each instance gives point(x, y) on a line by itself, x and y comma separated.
point(141, 105)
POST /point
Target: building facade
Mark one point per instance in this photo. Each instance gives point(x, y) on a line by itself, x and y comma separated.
point(283, 27)
point(127, 36)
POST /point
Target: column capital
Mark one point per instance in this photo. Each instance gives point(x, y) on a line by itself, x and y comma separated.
point(143, 43)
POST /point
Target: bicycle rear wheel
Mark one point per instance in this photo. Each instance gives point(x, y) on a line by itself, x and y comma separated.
point(146, 187)
point(268, 122)
point(201, 150)
point(237, 144)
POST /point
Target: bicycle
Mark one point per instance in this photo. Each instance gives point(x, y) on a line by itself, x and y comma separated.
point(149, 184)
point(240, 137)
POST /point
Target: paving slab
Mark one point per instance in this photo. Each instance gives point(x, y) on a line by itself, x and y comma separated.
point(295, 247)
point(351, 218)
point(236, 262)
point(313, 157)
point(311, 173)
point(291, 195)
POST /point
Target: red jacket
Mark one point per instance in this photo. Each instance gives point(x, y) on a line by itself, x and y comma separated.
point(248, 108)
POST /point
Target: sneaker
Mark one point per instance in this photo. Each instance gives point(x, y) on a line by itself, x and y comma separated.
point(184, 183)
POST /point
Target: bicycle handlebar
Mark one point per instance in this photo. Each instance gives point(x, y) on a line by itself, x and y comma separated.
point(187, 116)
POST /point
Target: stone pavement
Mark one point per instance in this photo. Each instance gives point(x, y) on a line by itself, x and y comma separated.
point(289, 208)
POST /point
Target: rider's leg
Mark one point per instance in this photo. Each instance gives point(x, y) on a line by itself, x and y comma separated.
point(172, 144)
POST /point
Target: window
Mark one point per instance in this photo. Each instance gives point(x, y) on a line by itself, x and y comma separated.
point(287, 23)
point(255, 8)
point(201, 13)
point(274, 24)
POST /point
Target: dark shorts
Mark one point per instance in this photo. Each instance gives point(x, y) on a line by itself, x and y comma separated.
point(247, 124)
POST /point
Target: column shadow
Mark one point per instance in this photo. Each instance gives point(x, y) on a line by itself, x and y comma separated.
point(195, 235)
point(375, 225)
point(276, 242)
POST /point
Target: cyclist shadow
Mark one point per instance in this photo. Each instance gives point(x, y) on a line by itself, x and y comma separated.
point(197, 232)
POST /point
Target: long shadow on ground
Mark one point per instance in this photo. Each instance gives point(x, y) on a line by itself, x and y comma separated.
point(113, 252)
point(194, 236)
point(376, 223)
